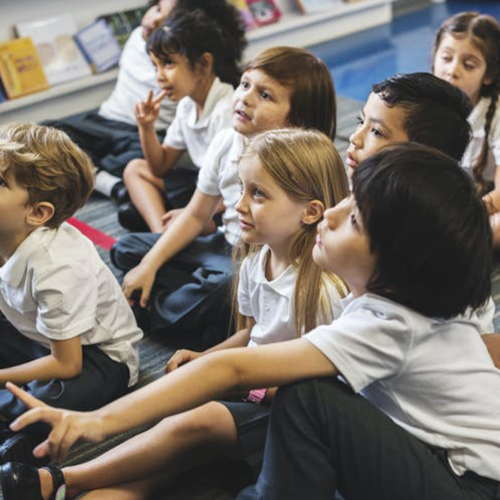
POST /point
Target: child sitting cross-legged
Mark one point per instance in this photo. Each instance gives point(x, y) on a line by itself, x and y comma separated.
point(68, 335)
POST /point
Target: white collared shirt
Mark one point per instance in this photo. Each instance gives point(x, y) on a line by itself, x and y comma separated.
point(270, 303)
point(137, 76)
point(219, 177)
point(56, 287)
point(194, 134)
point(477, 120)
point(433, 377)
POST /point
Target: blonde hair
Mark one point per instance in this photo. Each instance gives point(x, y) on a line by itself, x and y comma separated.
point(306, 165)
point(49, 165)
point(313, 103)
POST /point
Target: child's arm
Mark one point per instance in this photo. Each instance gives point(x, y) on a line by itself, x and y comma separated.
point(209, 377)
point(492, 341)
point(183, 230)
point(160, 158)
point(63, 362)
point(183, 356)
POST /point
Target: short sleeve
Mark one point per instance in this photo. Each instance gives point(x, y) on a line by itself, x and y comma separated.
point(66, 296)
point(494, 137)
point(208, 177)
point(366, 345)
point(175, 135)
point(244, 303)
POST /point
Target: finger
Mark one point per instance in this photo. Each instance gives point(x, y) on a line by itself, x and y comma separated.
point(149, 100)
point(44, 413)
point(145, 296)
point(41, 450)
point(160, 97)
point(26, 398)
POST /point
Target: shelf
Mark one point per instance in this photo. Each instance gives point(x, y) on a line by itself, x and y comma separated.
point(294, 28)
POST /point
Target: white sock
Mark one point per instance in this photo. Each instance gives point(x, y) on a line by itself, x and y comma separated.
point(104, 182)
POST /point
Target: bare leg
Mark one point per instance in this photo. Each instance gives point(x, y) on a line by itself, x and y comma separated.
point(495, 229)
point(146, 192)
point(174, 445)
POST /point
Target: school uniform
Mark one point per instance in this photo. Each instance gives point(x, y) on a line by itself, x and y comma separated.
point(192, 133)
point(191, 295)
point(55, 287)
point(109, 135)
point(270, 303)
point(426, 428)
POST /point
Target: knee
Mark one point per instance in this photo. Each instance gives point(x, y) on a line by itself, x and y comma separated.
point(134, 169)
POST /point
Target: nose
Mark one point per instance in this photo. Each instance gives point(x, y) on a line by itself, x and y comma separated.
point(454, 68)
point(241, 205)
point(355, 138)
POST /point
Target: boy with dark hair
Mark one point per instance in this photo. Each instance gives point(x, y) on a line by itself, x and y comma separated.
point(416, 107)
point(68, 335)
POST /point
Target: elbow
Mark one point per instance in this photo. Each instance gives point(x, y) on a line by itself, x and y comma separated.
point(71, 370)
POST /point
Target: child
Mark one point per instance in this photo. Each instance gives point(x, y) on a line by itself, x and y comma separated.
point(189, 54)
point(467, 54)
point(407, 338)
point(281, 86)
point(109, 135)
point(411, 107)
point(68, 335)
point(288, 177)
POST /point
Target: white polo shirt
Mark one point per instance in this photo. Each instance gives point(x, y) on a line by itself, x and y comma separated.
point(219, 177)
point(137, 76)
point(434, 377)
point(56, 287)
point(477, 120)
point(194, 134)
point(270, 303)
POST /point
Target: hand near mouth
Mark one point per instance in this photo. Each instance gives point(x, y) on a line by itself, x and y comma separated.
point(147, 111)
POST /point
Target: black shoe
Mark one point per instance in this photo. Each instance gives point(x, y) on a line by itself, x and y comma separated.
point(16, 448)
point(22, 482)
point(119, 193)
point(130, 218)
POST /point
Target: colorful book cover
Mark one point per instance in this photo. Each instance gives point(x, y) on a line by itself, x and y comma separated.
point(53, 38)
point(309, 6)
point(124, 22)
point(264, 11)
point(245, 13)
point(99, 46)
point(21, 68)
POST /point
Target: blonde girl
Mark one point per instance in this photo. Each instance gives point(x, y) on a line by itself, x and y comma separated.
point(288, 177)
point(467, 54)
point(282, 86)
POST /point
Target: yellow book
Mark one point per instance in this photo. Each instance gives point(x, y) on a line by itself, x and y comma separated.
point(21, 69)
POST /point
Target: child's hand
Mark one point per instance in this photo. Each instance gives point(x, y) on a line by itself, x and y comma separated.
point(180, 358)
point(146, 112)
point(67, 426)
point(140, 278)
point(170, 216)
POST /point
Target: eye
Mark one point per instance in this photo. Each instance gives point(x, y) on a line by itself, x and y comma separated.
point(244, 85)
point(2, 182)
point(265, 95)
point(469, 65)
point(376, 132)
point(359, 121)
point(241, 187)
point(258, 193)
point(354, 222)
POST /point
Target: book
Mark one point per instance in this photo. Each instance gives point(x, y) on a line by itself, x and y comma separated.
point(53, 38)
point(309, 6)
point(99, 46)
point(21, 68)
point(264, 11)
point(245, 14)
point(122, 23)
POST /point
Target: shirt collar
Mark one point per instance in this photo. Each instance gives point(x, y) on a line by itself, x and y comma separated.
point(13, 271)
point(217, 91)
point(283, 284)
point(237, 147)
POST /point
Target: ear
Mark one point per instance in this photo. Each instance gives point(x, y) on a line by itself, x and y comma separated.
point(206, 62)
point(40, 213)
point(313, 212)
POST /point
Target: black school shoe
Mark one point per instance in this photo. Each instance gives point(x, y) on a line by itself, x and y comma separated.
point(22, 482)
point(16, 447)
point(130, 218)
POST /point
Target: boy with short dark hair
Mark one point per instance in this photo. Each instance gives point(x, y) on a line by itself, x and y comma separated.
point(68, 334)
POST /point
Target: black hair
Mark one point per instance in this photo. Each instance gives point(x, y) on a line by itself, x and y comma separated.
point(435, 111)
point(191, 34)
point(428, 229)
point(484, 32)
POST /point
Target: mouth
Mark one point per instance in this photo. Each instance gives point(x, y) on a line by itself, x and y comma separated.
point(241, 115)
point(351, 161)
point(245, 225)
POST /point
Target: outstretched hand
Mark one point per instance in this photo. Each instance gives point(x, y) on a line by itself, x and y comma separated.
point(147, 111)
point(67, 426)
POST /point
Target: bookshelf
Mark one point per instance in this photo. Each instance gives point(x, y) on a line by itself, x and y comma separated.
point(76, 96)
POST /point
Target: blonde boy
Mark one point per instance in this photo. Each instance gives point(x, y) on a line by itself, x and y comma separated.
point(68, 334)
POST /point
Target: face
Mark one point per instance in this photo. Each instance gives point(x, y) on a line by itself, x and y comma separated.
point(378, 126)
point(155, 15)
point(176, 76)
point(267, 215)
point(260, 103)
point(462, 64)
point(343, 247)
